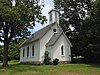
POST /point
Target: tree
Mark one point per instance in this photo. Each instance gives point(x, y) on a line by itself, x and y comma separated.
point(83, 16)
point(14, 50)
point(1, 48)
point(92, 51)
point(15, 21)
point(73, 14)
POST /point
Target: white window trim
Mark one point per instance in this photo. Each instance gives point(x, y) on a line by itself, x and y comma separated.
point(63, 51)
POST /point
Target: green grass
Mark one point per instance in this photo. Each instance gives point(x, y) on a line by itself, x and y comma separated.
point(65, 69)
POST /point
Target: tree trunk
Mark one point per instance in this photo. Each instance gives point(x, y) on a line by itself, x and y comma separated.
point(5, 54)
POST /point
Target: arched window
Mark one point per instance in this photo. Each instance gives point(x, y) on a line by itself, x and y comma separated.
point(33, 50)
point(62, 50)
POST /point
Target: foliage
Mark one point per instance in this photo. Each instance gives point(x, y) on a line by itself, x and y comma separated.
point(72, 18)
point(92, 52)
point(47, 59)
point(73, 12)
point(15, 20)
point(83, 16)
point(14, 52)
point(16, 68)
point(78, 60)
point(92, 48)
point(55, 61)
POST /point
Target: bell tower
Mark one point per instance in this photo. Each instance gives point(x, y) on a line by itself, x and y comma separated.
point(53, 16)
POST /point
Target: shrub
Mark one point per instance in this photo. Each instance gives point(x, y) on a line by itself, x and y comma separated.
point(55, 61)
point(47, 59)
point(77, 60)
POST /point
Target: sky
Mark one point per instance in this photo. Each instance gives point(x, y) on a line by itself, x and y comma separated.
point(48, 5)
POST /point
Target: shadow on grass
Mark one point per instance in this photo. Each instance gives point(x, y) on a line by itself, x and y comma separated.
point(18, 68)
point(24, 67)
point(94, 65)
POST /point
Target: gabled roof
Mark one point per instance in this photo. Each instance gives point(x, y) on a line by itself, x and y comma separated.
point(65, 36)
point(53, 39)
point(38, 35)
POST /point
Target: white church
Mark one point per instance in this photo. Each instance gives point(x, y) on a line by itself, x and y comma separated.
point(50, 38)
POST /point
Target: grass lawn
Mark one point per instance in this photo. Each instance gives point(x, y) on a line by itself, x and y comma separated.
point(65, 69)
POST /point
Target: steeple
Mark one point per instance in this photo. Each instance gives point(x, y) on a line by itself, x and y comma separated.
point(53, 16)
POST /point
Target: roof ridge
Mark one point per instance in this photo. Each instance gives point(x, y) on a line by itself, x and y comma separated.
point(43, 28)
point(53, 39)
point(38, 35)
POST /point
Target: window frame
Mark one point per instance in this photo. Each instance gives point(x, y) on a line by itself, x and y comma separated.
point(32, 50)
point(62, 50)
point(23, 52)
point(28, 51)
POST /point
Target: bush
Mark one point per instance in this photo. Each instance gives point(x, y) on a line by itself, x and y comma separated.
point(55, 61)
point(77, 60)
point(47, 59)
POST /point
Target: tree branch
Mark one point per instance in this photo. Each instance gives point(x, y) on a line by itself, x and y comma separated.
point(11, 34)
point(1, 40)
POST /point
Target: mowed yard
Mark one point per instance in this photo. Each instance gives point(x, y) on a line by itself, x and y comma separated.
point(64, 69)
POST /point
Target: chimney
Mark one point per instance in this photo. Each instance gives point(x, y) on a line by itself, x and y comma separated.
point(53, 16)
